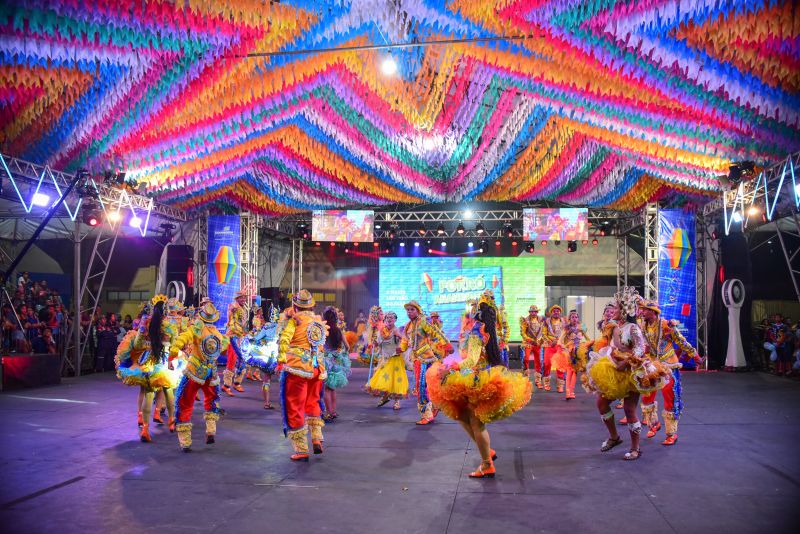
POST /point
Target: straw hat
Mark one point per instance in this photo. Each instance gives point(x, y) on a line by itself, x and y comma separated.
point(303, 299)
point(207, 312)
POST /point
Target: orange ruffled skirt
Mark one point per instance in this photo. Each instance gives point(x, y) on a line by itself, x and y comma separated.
point(492, 393)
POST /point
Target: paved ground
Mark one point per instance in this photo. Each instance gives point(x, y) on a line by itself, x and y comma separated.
point(71, 462)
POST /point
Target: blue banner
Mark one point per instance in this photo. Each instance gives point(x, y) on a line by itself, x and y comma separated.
point(224, 274)
point(677, 271)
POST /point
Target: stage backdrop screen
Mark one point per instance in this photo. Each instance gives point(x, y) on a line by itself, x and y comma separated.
point(677, 272)
point(345, 226)
point(555, 224)
point(444, 284)
point(224, 274)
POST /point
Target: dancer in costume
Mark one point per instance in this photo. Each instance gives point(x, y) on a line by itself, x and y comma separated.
point(300, 351)
point(174, 323)
point(203, 344)
point(140, 362)
point(236, 329)
point(623, 371)
point(568, 359)
point(503, 333)
point(369, 352)
point(261, 352)
point(442, 350)
point(551, 331)
point(256, 323)
point(530, 328)
point(662, 336)
point(337, 362)
point(421, 337)
point(476, 388)
point(390, 380)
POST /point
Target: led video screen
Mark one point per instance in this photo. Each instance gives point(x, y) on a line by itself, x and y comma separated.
point(445, 284)
point(555, 224)
point(343, 226)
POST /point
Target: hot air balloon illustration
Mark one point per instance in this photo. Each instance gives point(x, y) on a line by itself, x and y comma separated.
point(428, 281)
point(224, 264)
point(495, 281)
point(678, 248)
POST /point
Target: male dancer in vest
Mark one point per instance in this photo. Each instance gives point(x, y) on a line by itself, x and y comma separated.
point(300, 352)
point(421, 338)
point(236, 330)
point(551, 331)
point(662, 336)
point(530, 328)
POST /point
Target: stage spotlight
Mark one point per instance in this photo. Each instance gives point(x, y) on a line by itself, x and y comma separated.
point(135, 222)
point(40, 199)
point(479, 229)
point(403, 244)
point(497, 243)
point(114, 216)
point(544, 243)
point(460, 229)
point(508, 229)
point(375, 244)
point(468, 214)
point(530, 247)
point(602, 232)
point(585, 242)
point(470, 244)
point(421, 230)
point(594, 242)
point(557, 242)
point(514, 243)
point(572, 246)
point(377, 226)
point(320, 244)
point(346, 251)
point(443, 244)
point(389, 66)
point(392, 233)
point(333, 244)
point(484, 245)
point(480, 250)
point(416, 244)
point(440, 229)
point(752, 211)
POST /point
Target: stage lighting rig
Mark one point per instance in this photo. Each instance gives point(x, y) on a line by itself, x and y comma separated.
point(90, 214)
point(440, 229)
point(572, 246)
point(530, 247)
point(508, 229)
point(460, 229)
point(168, 229)
point(479, 229)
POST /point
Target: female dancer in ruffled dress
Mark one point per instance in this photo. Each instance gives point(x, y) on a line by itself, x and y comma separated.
point(337, 362)
point(390, 381)
point(261, 352)
point(568, 359)
point(475, 388)
point(141, 362)
point(622, 371)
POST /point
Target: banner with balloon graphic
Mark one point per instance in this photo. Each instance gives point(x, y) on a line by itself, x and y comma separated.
point(445, 284)
point(223, 262)
point(677, 272)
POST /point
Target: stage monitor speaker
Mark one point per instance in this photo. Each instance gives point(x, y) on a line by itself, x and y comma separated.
point(180, 275)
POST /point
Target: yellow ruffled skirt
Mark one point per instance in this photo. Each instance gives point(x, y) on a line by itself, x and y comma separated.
point(603, 377)
point(492, 393)
point(389, 379)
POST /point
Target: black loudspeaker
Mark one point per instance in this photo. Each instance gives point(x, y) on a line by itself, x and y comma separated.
point(272, 295)
point(180, 272)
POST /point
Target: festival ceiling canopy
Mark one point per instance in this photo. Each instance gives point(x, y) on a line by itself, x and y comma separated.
point(220, 104)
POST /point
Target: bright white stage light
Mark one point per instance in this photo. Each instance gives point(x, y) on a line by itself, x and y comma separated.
point(40, 199)
point(737, 217)
point(389, 66)
point(753, 211)
point(114, 216)
point(416, 243)
point(797, 190)
point(135, 222)
point(467, 214)
point(470, 244)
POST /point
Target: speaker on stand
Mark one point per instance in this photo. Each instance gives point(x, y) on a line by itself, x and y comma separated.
point(733, 298)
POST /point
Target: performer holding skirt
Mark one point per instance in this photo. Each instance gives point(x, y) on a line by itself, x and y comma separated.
point(390, 380)
point(621, 371)
point(337, 361)
point(261, 352)
point(478, 389)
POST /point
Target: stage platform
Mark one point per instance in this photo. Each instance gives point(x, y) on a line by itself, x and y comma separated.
point(71, 461)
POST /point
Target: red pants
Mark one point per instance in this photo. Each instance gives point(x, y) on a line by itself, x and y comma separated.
point(548, 358)
point(301, 397)
point(668, 393)
point(186, 392)
point(533, 352)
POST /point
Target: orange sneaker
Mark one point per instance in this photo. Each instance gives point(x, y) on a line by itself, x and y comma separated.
point(239, 388)
point(485, 470)
point(671, 440)
point(157, 418)
point(145, 435)
point(299, 457)
point(228, 391)
point(654, 430)
point(425, 421)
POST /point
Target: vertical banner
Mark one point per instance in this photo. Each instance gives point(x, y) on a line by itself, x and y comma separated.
point(677, 271)
point(224, 274)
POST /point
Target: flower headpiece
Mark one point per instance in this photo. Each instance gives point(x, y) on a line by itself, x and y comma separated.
point(375, 313)
point(627, 300)
point(159, 298)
